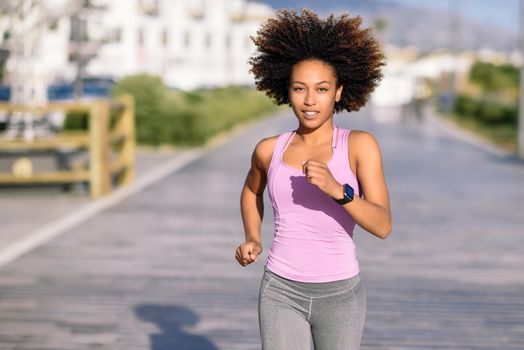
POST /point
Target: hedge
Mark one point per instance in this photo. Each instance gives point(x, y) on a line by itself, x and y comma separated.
point(185, 118)
point(490, 112)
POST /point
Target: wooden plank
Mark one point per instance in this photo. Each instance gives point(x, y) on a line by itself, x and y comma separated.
point(76, 106)
point(117, 166)
point(99, 155)
point(62, 140)
point(50, 107)
point(117, 137)
point(47, 177)
point(126, 124)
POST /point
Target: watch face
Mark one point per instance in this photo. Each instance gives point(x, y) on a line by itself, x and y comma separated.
point(348, 192)
point(348, 195)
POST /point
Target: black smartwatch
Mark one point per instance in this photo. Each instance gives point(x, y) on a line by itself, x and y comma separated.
point(348, 195)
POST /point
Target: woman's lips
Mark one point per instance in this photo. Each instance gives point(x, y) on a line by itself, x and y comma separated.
point(310, 114)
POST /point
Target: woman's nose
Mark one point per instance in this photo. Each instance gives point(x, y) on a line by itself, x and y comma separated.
point(310, 99)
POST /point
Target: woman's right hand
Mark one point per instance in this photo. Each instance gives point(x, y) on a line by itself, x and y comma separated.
point(248, 252)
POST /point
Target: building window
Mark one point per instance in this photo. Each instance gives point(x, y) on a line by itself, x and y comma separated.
point(114, 35)
point(187, 39)
point(141, 37)
point(228, 40)
point(78, 31)
point(196, 11)
point(53, 25)
point(208, 40)
point(149, 7)
point(165, 38)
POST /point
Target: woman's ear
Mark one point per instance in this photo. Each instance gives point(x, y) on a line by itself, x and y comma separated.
point(339, 93)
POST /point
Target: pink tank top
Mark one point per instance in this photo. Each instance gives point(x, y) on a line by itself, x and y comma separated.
point(313, 234)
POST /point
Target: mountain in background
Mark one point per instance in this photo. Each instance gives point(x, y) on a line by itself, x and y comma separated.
point(427, 29)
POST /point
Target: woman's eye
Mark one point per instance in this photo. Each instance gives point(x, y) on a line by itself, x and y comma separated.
point(298, 89)
point(322, 89)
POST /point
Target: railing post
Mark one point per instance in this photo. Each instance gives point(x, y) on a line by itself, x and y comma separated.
point(99, 148)
point(128, 147)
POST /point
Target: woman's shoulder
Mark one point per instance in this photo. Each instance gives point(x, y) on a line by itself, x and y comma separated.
point(361, 135)
point(267, 145)
point(362, 142)
point(264, 150)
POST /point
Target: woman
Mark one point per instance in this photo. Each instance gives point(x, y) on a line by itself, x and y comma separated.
point(322, 180)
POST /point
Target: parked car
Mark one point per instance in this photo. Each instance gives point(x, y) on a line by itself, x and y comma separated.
point(93, 87)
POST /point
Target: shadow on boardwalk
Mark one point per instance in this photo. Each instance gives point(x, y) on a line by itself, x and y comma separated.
point(171, 320)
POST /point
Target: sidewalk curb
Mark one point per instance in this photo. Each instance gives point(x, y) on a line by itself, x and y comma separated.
point(464, 135)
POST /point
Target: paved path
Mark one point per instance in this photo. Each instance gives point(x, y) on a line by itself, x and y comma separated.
point(26, 209)
point(157, 271)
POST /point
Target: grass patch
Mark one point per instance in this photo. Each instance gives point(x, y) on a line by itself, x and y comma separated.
point(502, 135)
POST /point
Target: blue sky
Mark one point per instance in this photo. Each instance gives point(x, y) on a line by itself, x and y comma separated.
point(501, 12)
point(504, 13)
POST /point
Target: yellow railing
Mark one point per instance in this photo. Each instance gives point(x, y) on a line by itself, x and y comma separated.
point(110, 145)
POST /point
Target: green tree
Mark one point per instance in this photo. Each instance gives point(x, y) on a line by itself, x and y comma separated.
point(494, 78)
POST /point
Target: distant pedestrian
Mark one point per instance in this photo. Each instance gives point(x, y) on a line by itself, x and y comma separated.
point(322, 180)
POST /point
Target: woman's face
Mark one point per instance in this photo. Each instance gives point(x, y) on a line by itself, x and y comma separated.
point(313, 92)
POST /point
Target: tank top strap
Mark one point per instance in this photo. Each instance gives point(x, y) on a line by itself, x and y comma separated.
point(282, 143)
point(280, 146)
point(335, 143)
point(338, 143)
point(343, 137)
point(340, 153)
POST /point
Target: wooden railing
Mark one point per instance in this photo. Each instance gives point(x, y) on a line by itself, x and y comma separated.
point(109, 143)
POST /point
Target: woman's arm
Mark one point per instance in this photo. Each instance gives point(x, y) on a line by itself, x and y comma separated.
point(372, 213)
point(252, 204)
point(251, 199)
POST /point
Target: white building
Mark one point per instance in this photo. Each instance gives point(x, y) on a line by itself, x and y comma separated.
point(189, 43)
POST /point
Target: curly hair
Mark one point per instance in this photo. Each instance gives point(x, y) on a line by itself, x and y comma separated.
point(354, 54)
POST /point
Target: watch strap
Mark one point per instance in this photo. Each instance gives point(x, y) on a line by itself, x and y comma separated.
point(348, 195)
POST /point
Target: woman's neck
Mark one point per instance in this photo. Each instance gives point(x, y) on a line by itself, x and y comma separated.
point(312, 137)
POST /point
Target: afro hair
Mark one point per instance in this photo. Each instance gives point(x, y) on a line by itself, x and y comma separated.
point(354, 54)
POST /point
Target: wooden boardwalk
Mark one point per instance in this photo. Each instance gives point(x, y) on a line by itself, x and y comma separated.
point(158, 271)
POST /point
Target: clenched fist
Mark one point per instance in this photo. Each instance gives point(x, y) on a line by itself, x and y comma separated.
point(248, 252)
point(318, 174)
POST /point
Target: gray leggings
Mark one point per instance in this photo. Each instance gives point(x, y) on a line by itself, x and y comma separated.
point(294, 315)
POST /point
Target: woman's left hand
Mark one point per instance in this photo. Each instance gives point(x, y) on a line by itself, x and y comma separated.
point(318, 174)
